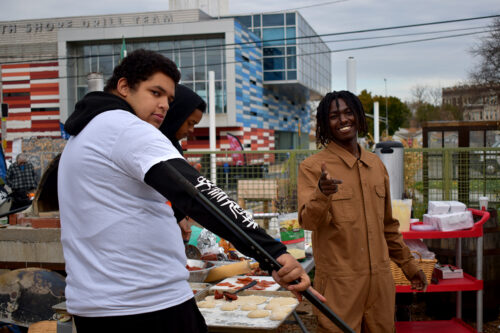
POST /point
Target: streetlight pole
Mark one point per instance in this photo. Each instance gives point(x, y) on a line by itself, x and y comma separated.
point(386, 116)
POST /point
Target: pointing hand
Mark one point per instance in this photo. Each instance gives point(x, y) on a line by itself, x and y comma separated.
point(327, 184)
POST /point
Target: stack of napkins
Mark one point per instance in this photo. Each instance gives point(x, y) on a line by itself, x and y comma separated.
point(445, 207)
point(448, 216)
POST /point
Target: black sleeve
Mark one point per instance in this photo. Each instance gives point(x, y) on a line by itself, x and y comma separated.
point(179, 215)
point(161, 180)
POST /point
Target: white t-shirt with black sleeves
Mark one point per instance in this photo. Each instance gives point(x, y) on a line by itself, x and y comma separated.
point(122, 246)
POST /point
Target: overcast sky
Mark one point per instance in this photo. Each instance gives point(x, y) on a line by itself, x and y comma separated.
point(435, 63)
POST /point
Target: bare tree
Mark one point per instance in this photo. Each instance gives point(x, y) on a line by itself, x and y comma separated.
point(419, 93)
point(488, 50)
point(436, 95)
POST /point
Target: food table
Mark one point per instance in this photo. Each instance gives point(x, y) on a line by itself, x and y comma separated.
point(219, 321)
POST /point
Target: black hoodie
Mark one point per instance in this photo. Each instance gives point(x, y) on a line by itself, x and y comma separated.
point(185, 102)
point(93, 104)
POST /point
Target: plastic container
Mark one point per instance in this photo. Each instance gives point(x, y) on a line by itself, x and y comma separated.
point(392, 155)
point(483, 203)
point(274, 229)
point(401, 210)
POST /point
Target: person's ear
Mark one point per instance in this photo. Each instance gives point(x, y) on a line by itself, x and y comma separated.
point(122, 87)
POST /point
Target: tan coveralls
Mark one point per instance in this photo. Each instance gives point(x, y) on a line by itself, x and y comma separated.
point(354, 234)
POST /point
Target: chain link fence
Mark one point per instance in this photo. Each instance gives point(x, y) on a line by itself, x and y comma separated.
point(266, 181)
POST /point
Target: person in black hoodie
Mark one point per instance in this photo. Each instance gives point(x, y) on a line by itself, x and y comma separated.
point(183, 114)
point(124, 256)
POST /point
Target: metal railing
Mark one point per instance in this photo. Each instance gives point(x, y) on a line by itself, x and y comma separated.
point(266, 181)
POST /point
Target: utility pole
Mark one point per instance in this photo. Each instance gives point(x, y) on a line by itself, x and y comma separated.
point(386, 116)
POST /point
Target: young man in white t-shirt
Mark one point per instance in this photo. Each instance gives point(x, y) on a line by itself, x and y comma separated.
point(124, 255)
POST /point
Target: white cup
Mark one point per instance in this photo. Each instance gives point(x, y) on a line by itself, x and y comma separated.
point(483, 203)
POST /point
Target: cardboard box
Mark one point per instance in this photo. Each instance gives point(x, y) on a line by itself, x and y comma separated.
point(449, 272)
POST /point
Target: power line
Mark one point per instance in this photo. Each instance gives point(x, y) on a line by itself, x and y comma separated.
point(402, 35)
point(410, 41)
point(308, 6)
point(225, 46)
point(314, 53)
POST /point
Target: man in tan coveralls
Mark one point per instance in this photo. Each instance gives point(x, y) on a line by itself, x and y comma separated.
point(344, 198)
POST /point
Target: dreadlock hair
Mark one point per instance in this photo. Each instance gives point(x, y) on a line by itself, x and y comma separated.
point(323, 132)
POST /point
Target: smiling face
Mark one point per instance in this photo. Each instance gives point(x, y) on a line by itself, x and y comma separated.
point(187, 127)
point(343, 124)
point(149, 99)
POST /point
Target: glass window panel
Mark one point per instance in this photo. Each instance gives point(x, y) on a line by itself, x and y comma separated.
point(291, 62)
point(186, 63)
point(292, 75)
point(214, 42)
point(256, 20)
point(199, 69)
point(245, 20)
point(117, 51)
point(86, 60)
point(450, 139)
point(435, 140)
point(492, 138)
point(80, 66)
point(257, 32)
point(273, 36)
point(272, 19)
point(199, 45)
point(94, 60)
point(274, 76)
point(291, 50)
point(274, 63)
point(153, 46)
point(186, 46)
point(290, 35)
point(214, 62)
point(136, 46)
point(105, 59)
point(476, 139)
point(290, 19)
point(199, 59)
point(201, 89)
point(166, 47)
point(80, 92)
point(271, 51)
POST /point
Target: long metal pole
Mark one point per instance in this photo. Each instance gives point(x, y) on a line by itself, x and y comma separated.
point(376, 130)
point(244, 237)
point(479, 276)
point(212, 127)
point(386, 117)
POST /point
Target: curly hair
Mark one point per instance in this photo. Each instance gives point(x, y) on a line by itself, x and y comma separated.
point(323, 132)
point(139, 65)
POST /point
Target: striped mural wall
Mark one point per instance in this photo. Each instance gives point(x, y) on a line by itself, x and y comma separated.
point(32, 93)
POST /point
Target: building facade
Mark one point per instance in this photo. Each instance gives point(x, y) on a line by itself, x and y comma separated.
point(265, 75)
point(476, 102)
